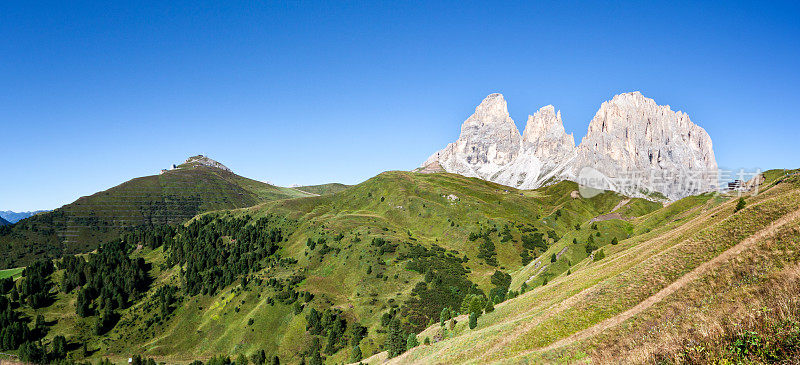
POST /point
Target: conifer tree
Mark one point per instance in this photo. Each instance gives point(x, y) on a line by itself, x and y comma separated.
point(396, 343)
point(356, 355)
point(411, 342)
point(489, 307)
point(740, 205)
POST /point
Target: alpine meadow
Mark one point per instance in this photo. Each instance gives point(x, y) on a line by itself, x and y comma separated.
point(575, 218)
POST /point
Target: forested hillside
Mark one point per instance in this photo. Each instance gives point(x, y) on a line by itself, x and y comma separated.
point(169, 198)
point(427, 268)
point(326, 277)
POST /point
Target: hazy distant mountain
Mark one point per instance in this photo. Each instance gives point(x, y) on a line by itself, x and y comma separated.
point(4, 222)
point(14, 217)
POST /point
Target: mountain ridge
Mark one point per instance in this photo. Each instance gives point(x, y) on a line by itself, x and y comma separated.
point(14, 217)
point(172, 197)
point(630, 135)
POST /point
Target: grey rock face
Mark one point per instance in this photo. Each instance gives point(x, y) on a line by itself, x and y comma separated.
point(648, 148)
point(489, 141)
point(205, 161)
point(638, 146)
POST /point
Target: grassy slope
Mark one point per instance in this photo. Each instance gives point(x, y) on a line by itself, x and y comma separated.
point(11, 273)
point(324, 189)
point(400, 206)
point(169, 198)
point(660, 246)
point(671, 242)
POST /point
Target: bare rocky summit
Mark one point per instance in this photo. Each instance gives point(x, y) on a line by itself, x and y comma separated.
point(201, 160)
point(636, 146)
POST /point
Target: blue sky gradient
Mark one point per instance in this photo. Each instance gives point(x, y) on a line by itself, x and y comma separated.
point(98, 93)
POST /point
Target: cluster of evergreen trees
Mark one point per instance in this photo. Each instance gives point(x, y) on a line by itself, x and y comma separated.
point(532, 242)
point(501, 282)
point(218, 251)
point(486, 248)
point(398, 340)
point(35, 286)
point(151, 237)
point(38, 353)
point(445, 284)
point(109, 280)
point(13, 329)
point(331, 326)
point(33, 290)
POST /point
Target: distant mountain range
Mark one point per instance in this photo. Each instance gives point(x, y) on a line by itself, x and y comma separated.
point(14, 217)
point(4, 222)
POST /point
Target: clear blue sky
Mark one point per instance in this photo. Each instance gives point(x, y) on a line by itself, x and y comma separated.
point(94, 94)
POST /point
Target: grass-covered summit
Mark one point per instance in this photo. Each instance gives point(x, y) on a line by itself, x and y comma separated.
point(171, 197)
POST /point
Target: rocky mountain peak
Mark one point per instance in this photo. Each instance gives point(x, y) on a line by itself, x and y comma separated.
point(489, 136)
point(201, 160)
point(546, 126)
point(633, 134)
point(493, 108)
point(629, 134)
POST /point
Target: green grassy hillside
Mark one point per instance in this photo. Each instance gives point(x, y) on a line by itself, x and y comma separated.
point(325, 277)
point(172, 197)
point(698, 282)
point(324, 189)
point(401, 245)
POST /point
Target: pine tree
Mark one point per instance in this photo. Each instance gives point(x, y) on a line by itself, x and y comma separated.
point(396, 343)
point(599, 255)
point(489, 307)
point(316, 359)
point(473, 320)
point(59, 348)
point(411, 342)
point(740, 205)
point(444, 316)
point(356, 355)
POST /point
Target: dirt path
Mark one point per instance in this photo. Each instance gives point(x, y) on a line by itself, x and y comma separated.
point(583, 294)
point(623, 202)
point(530, 322)
point(691, 276)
